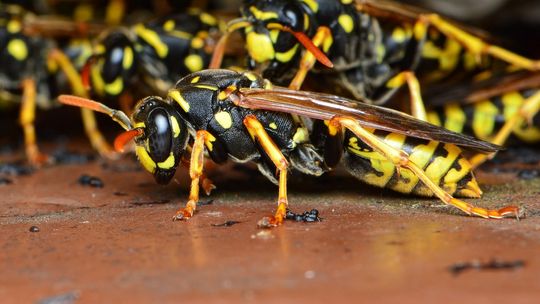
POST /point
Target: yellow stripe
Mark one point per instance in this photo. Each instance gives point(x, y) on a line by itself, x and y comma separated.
point(176, 96)
point(260, 15)
point(313, 5)
point(128, 58)
point(207, 87)
point(485, 114)
point(455, 118)
point(378, 162)
point(440, 165)
point(288, 55)
point(115, 88)
point(152, 38)
point(175, 127)
point(168, 163)
point(145, 159)
point(420, 156)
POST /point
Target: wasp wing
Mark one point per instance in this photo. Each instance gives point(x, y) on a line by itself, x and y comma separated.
point(325, 106)
point(468, 92)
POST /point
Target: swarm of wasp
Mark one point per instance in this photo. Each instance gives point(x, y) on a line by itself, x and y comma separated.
point(377, 47)
point(241, 116)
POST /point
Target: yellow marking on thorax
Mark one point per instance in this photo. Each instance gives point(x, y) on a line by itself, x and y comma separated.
point(145, 159)
point(346, 1)
point(346, 22)
point(176, 96)
point(197, 43)
point(13, 26)
point(208, 19)
point(194, 62)
point(127, 61)
point(140, 124)
point(224, 119)
point(206, 87)
point(274, 34)
point(115, 88)
point(18, 49)
point(287, 55)
point(260, 15)
point(313, 5)
point(169, 25)
point(306, 22)
point(168, 163)
point(252, 77)
point(273, 125)
point(485, 114)
point(455, 118)
point(152, 38)
point(399, 34)
point(195, 79)
point(175, 127)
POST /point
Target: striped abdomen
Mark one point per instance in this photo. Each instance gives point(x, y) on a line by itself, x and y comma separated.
point(485, 118)
point(443, 163)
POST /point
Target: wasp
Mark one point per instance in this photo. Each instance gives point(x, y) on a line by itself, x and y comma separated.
point(29, 70)
point(243, 117)
point(374, 48)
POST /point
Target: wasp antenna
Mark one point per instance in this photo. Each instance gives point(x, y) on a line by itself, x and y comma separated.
point(219, 50)
point(117, 115)
point(312, 48)
point(121, 140)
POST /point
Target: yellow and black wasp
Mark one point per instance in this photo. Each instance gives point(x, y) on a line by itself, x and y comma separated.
point(241, 116)
point(376, 47)
point(29, 67)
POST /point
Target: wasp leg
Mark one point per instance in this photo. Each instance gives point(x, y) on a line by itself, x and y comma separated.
point(26, 119)
point(202, 138)
point(401, 160)
point(205, 182)
point(323, 37)
point(97, 140)
point(476, 46)
point(525, 113)
point(257, 132)
point(418, 110)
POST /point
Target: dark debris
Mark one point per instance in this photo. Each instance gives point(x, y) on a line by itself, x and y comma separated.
point(308, 216)
point(206, 203)
point(15, 169)
point(226, 224)
point(34, 229)
point(5, 181)
point(529, 174)
point(458, 268)
point(92, 181)
point(143, 203)
point(62, 156)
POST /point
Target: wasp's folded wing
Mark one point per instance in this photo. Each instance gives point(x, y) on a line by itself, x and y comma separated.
point(325, 106)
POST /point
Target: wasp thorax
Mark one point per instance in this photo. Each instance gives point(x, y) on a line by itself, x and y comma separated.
point(164, 139)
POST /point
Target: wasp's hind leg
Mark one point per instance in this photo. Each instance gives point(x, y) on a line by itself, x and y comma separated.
point(196, 165)
point(26, 119)
point(401, 160)
point(257, 132)
point(476, 46)
point(418, 109)
point(524, 114)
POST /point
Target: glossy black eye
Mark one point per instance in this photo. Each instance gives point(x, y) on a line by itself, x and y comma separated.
point(159, 135)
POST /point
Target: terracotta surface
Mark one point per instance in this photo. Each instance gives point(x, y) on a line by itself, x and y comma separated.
point(118, 243)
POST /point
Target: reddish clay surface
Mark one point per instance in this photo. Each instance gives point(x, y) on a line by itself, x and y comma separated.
point(118, 243)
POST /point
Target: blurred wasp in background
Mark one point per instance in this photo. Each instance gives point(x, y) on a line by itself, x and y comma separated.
point(374, 48)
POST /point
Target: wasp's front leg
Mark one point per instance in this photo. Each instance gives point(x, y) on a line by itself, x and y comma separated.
point(202, 138)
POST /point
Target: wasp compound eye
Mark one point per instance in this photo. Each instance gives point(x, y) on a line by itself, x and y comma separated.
point(164, 140)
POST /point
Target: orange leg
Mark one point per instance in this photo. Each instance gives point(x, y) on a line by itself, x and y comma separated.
point(26, 119)
point(400, 159)
point(205, 182)
point(195, 172)
point(257, 132)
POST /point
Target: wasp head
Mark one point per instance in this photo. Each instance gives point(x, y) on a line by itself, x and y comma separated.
point(161, 137)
